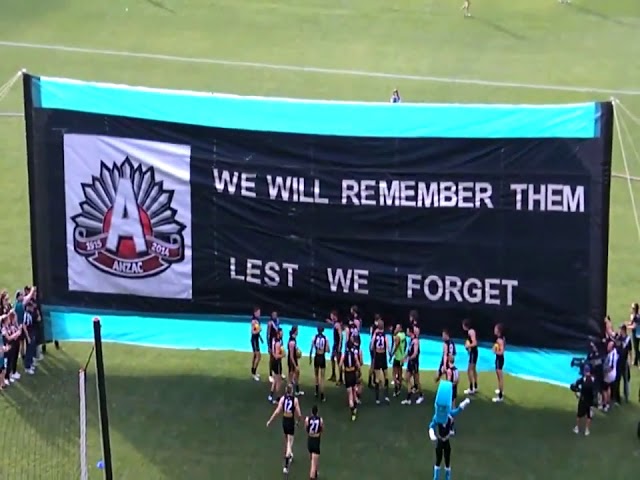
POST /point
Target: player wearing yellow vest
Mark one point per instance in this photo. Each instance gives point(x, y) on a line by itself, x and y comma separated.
point(397, 353)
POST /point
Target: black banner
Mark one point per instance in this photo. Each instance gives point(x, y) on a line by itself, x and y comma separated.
point(494, 230)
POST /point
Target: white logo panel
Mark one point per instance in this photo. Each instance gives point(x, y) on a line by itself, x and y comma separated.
point(128, 205)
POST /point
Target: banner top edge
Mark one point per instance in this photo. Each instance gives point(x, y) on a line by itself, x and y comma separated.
point(261, 98)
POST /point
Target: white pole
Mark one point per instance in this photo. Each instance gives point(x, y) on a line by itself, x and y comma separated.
point(82, 390)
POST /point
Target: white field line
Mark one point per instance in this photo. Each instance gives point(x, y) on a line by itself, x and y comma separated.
point(320, 70)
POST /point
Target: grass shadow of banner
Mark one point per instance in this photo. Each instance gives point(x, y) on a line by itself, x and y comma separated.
point(496, 27)
point(40, 423)
point(204, 424)
point(160, 5)
point(601, 16)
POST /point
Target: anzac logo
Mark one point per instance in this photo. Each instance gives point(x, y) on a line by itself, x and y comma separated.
point(127, 227)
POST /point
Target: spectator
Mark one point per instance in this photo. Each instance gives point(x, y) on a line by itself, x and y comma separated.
point(610, 374)
point(11, 333)
point(609, 334)
point(3, 350)
point(23, 297)
point(395, 96)
point(623, 347)
point(39, 329)
point(5, 304)
point(29, 328)
point(634, 327)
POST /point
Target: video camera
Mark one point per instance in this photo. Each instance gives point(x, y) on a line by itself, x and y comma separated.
point(595, 359)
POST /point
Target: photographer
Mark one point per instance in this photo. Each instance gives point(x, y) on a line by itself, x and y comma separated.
point(584, 388)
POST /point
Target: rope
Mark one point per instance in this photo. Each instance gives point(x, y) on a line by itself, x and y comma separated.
point(627, 111)
point(5, 87)
point(631, 142)
point(618, 121)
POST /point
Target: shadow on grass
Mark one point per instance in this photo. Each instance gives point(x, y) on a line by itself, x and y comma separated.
point(200, 426)
point(40, 423)
point(160, 5)
point(496, 27)
point(601, 16)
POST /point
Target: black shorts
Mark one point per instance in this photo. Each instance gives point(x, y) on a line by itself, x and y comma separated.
point(288, 426)
point(397, 363)
point(313, 445)
point(276, 367)
point(319, 362)
point(335, 352)
point(473, 355)
point(584, 410)
point(413, 366)
point(293, 366)
point(350, 379)
point(255, 343)
point(499, 362)
point(380, 361)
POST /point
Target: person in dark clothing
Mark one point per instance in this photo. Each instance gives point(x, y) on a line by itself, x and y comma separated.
point(626, 362)
point(623, 346)
point(634, 328)
point(31, 348)
point(11, 333)
point(584, 387)
point(5, 304)
point(595, 359)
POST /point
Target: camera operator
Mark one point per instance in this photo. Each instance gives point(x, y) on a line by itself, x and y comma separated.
point(610, 374)
point(584, 388)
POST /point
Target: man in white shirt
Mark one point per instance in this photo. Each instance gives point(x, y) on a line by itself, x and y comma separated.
point(610, 373)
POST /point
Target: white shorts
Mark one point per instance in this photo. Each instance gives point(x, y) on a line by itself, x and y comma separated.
point(610, 377)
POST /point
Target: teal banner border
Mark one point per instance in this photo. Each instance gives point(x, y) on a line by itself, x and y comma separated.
point(357, 119)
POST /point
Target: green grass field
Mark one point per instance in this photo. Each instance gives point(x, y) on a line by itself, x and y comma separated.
point(197, 415)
